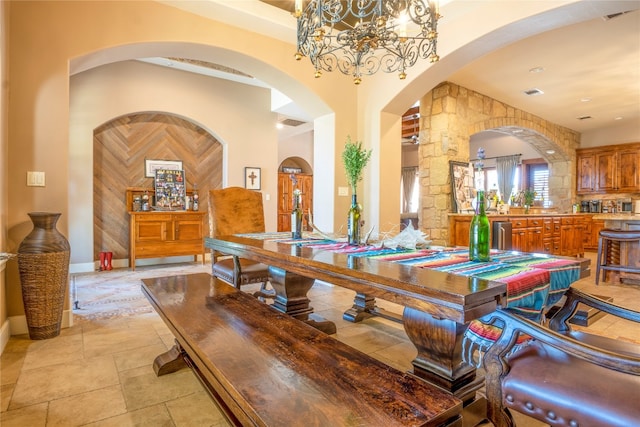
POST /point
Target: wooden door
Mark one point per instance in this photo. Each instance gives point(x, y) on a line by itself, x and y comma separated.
point(285, 198)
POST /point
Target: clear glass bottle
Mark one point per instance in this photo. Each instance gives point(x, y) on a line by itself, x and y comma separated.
point(145, 202)
point(195, 202)
point(353, 222)
point(479, 232)
point(296, 216)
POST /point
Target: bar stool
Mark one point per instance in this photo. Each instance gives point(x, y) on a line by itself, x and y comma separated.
point(609, 251)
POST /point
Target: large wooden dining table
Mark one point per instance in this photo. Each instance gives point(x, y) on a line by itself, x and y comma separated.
point(438, 306)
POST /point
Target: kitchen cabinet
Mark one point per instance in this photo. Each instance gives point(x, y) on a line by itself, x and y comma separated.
point(628, 170)
point(592, 229)
point(285, 199)
point(549, 234)
point(608, 169)
point(527, 234)
point(572, 236)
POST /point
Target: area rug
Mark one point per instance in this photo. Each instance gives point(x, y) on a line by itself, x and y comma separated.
point(117, 293)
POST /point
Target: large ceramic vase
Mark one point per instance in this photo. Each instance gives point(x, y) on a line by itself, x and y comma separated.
point(43, 261)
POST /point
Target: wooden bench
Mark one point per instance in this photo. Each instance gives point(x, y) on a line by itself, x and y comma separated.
point(266, 368)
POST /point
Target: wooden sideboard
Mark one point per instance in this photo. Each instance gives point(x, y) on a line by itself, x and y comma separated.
point(159, 234)
point(163, 234)
point(566, 235)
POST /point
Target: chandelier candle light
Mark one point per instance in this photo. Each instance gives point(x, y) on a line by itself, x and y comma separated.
point(360, 37)
point(479, 227)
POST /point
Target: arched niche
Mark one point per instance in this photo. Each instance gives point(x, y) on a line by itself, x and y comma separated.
point(295, 163)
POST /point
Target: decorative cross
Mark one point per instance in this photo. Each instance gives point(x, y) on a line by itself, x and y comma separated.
point(252, 177)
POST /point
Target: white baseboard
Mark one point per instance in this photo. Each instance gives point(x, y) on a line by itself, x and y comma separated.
point(88, 267)
point(18, 324)
point(4, 335)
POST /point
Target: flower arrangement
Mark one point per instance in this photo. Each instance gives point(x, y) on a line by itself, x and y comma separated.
point(354, 158)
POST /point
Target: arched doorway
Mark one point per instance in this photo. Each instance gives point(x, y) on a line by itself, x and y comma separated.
point(294, 172)
point(119, 151)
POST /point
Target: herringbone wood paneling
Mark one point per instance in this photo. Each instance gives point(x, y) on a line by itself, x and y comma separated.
point(120, 148)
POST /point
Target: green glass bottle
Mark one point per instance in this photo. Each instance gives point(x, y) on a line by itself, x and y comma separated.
point(353, 222)
point(479, 232)
point(296, 216)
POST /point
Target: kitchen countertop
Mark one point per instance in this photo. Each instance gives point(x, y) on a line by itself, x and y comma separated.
point(493, 214)
point(617, 216)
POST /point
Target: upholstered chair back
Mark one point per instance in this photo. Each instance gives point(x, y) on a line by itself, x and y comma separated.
point(234, 210)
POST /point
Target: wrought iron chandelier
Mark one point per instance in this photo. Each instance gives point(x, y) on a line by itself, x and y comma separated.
point(360, 37)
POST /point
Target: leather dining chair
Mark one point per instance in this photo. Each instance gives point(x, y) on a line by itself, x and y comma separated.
point(236, 210)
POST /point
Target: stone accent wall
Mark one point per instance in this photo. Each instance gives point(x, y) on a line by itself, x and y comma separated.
point(449, 115)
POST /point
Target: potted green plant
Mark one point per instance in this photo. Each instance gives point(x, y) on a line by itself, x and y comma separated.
point(529, 196)
point(354, 158)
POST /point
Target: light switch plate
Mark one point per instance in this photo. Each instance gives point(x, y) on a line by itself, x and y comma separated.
point(343, 191)
point(35, 179)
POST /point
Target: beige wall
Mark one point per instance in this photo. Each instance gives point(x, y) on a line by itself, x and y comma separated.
point(69, 37)
point(4, 162)
point(237, 115)
point(49, 40)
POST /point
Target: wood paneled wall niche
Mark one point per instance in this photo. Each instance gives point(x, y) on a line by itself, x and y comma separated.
point(120, 147)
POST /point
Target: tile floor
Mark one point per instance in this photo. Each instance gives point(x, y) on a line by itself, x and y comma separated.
point(99, 371)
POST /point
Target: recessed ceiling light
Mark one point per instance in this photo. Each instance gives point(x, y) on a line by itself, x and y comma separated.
point(585, 99)
point(279, 125)
point(617, 118)
point(551, 151)
point(536, 70)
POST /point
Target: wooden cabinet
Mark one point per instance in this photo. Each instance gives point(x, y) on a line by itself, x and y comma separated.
point(586, 163)
point(596, 226)
point(608, 169)
point(628, 170)
point(554, 235)
point(459, 226)
point(163, 234)
point(285, 198)
point(572, 236)
point(547, 236)
point(527, 234)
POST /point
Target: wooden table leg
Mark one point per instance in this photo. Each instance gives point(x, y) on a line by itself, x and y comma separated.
point(364, 306)
point(170, 361)
point(291, 298)
point(439, 360)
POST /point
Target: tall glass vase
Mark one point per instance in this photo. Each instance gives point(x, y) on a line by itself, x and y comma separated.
point(479, 232)
point(43, 262)
point(353, 222)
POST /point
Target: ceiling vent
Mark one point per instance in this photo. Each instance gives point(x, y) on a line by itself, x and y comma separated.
point(584, 117)
point(291, 122)
point(614, 15)
point(533, 92)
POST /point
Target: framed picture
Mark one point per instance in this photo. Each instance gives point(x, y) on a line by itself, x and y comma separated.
point(169, 189)
point(462, 185)
point(286, 169)
point(150, 166)
point(252, 178)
